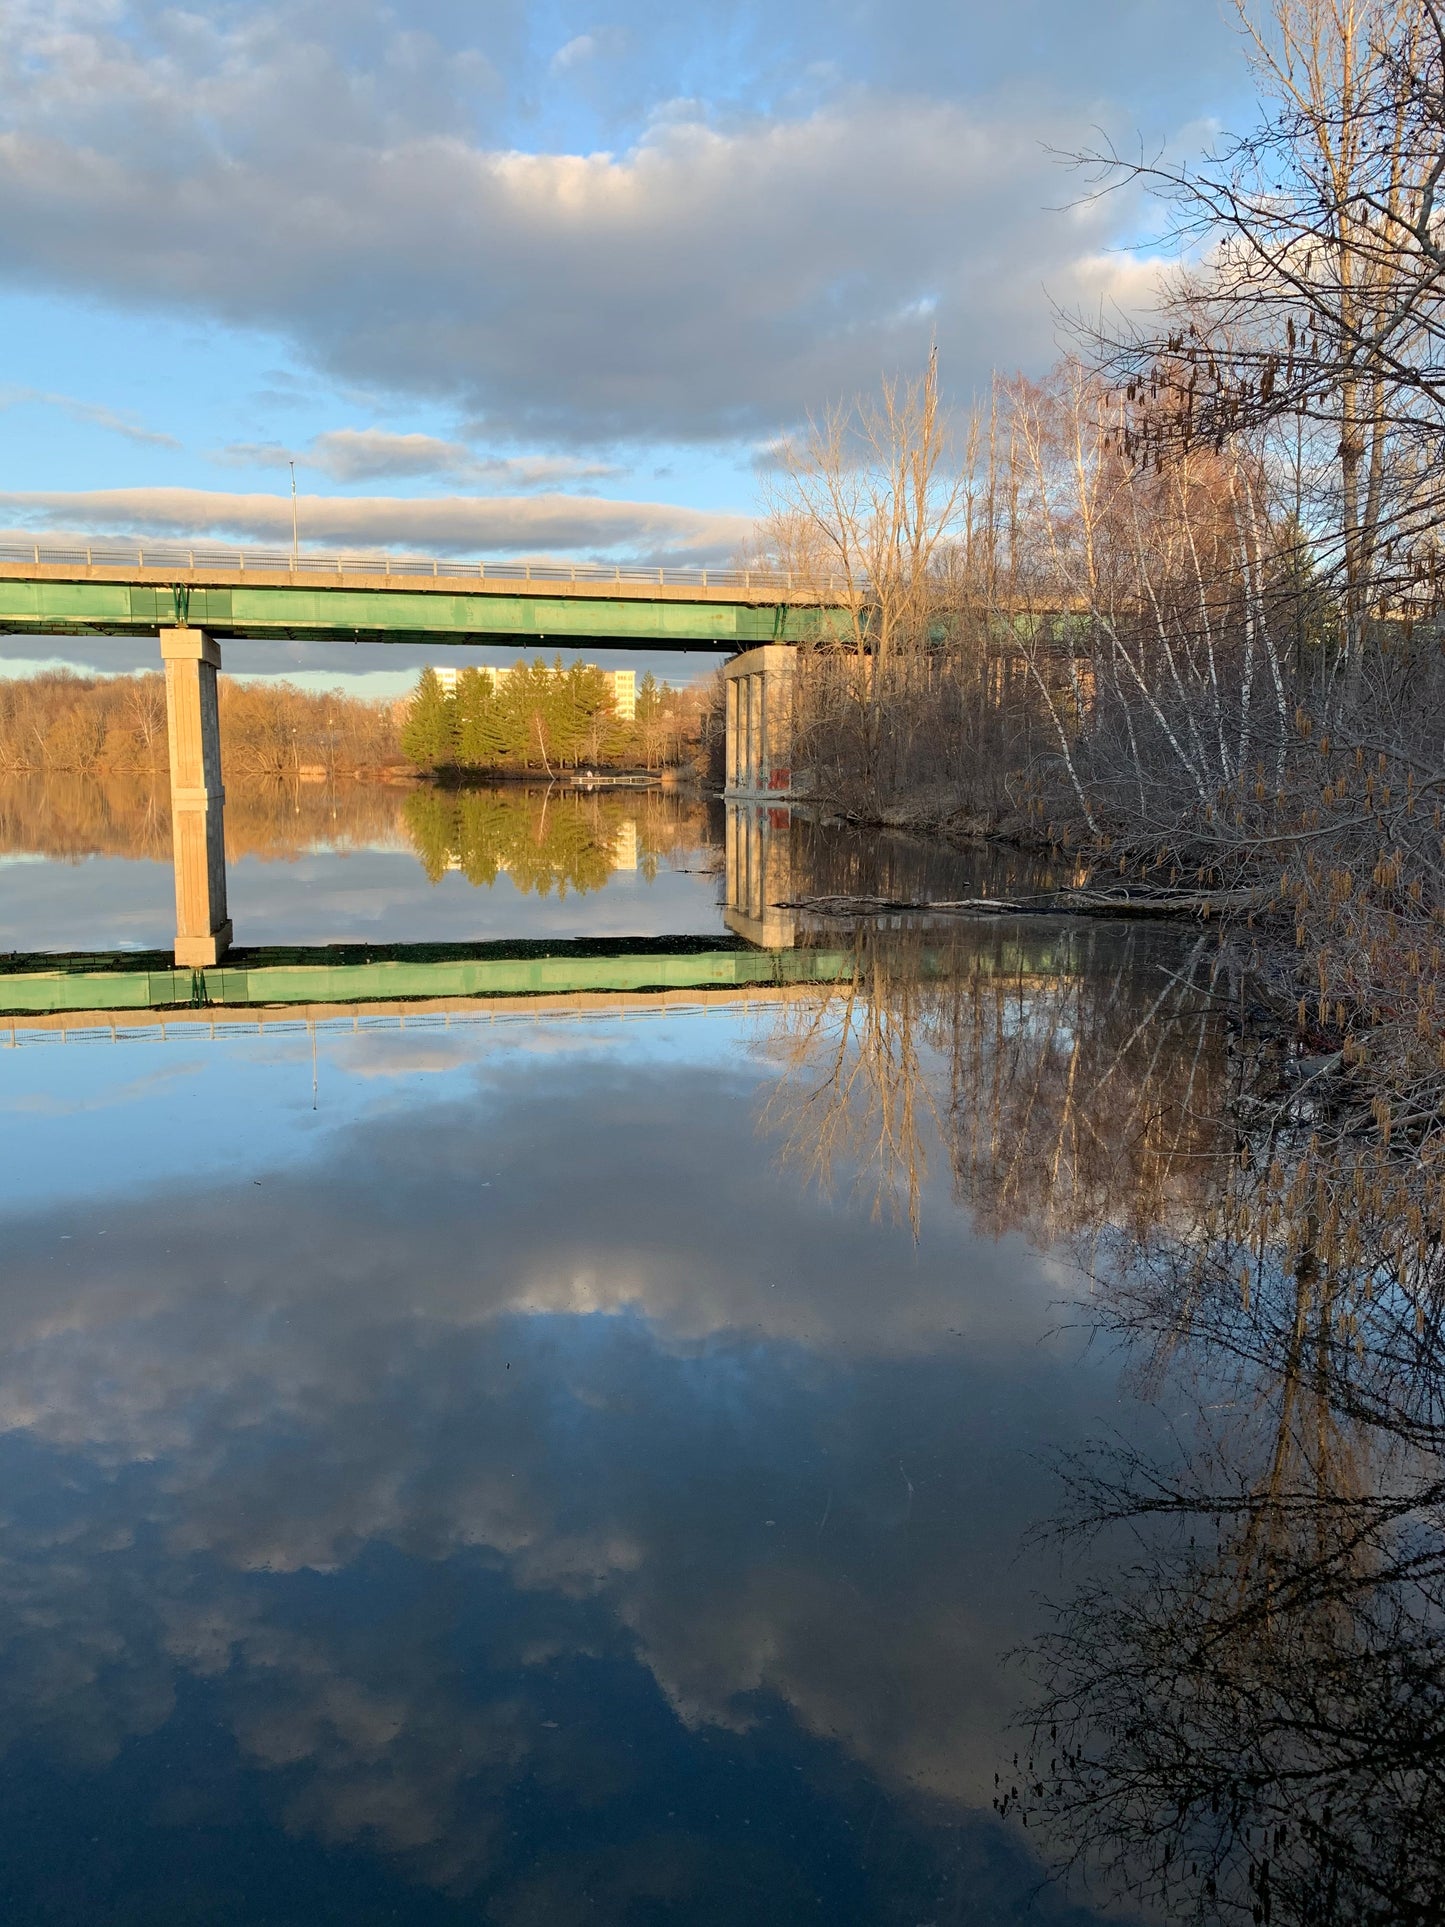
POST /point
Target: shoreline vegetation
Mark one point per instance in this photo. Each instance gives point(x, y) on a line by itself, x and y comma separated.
point(82, 725)
point(541, 719)
point(536, 720)
point(1177, 608)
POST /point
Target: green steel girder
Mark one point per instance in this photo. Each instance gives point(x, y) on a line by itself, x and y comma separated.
point(123, 987)
point(397, 615)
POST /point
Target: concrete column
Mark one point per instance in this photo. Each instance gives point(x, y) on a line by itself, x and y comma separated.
point(780, 717)
point(760, 722)
point(203, 930)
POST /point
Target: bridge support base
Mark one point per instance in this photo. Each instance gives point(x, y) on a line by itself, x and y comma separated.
point(760, 722)
point(203, 930)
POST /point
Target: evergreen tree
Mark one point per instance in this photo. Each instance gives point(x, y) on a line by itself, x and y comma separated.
point(432, 826)
point(531, 705)
point(429, 734)
point(479, 725)
point(596, 734)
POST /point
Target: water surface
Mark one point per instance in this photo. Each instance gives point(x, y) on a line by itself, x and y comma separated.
point(521, 1466)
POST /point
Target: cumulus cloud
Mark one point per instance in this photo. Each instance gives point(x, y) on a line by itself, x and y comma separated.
point(710, 277)
point(576, 527)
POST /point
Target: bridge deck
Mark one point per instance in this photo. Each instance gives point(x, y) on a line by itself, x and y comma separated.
point(101, 589)
point(33, 986)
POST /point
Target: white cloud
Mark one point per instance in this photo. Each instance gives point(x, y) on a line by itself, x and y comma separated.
point(364, 454)
point(368, 454)
point(584, 50)
point(91, 414)
point(710, 278)
point(577, 50)
point(571, 526)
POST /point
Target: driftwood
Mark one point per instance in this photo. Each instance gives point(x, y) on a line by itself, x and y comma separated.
point(1135, 902)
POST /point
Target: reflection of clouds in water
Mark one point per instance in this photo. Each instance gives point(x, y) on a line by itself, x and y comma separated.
point(48, 1103)
point(597, 1381)
point(399, 1053)
point(402, 1053)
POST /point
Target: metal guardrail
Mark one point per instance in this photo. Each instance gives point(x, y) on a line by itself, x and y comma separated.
point(307, 563)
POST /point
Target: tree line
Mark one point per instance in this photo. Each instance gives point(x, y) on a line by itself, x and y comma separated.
point(88, 725)
point(546, 717)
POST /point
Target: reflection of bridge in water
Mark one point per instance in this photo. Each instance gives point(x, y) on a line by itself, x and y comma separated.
point(767, 951)
point(759, 955)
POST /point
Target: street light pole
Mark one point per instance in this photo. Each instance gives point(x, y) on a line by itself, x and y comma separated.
point(293, 515)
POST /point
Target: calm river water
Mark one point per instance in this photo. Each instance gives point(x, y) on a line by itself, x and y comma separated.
point(533, 1468)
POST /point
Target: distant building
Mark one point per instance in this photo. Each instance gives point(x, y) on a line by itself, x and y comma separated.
point(621, 682)
point(624, 846)
point(624, 692)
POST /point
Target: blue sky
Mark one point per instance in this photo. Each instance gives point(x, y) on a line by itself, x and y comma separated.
point(536, 279)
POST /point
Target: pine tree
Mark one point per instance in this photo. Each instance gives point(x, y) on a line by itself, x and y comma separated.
point(480, 742)
point(429, 734)
point(431, 822)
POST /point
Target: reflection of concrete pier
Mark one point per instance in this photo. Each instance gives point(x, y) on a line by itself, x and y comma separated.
point(760, 686)
point(759, 872)
point(760, 722)
point(759, 751)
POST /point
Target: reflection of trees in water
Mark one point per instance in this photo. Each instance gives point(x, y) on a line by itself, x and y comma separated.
point(549, 839)
point(1064, 1080)
point(68, 817)
point(1246, 1716)
point(543, 841)
point(1242, 1708)
point(857, 1092)
point(830, 858)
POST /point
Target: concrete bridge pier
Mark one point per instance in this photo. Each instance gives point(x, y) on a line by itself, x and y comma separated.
point(759, 758)
point(203, 930)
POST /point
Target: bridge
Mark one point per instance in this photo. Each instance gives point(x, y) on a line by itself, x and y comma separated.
point(192, 599)
point(140, 589)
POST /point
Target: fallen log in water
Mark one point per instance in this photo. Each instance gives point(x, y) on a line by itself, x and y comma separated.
point(1135, 902)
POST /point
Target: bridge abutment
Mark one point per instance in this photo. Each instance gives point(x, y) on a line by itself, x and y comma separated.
point(759, 755)
point(203, 929)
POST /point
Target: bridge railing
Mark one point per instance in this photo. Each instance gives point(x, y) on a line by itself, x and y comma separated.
point(311, 565)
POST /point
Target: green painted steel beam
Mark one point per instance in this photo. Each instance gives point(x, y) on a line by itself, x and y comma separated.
point(115, 982)
point(348, 614)
point(119, 986)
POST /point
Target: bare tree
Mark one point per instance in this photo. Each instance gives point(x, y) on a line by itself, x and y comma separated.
point(1314, 318)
